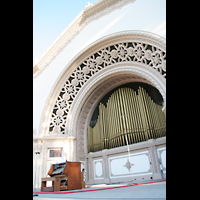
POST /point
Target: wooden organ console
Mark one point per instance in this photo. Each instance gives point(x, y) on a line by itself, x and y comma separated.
point(64, 176)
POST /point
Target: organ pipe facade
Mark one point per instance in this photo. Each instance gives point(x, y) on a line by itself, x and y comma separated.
point(127, 112)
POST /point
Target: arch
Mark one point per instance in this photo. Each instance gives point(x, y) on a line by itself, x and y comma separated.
point(115, 116)
point(96, 88)
point(117, 58)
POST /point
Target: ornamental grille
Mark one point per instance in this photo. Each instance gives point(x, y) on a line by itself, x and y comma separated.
point(146, 54)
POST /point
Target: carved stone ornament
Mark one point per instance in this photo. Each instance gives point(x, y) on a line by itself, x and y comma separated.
point(131, 51)
point(128, 165)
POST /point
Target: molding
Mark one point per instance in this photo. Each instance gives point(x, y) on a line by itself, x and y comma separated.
point(141, 147)
point(54, 138)
point(96, 176)
point(90, 13)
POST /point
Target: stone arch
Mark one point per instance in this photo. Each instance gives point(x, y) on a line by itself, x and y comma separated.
point(123, 56)
point(93, 92)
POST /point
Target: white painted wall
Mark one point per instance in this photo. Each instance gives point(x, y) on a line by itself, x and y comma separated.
point(146, 15)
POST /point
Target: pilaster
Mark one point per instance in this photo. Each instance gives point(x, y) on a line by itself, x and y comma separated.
point(105, 167)
point(154, 162)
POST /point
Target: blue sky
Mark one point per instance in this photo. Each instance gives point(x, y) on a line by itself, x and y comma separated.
point(50, 18)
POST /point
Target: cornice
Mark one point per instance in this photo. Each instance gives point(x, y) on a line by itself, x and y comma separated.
point(88, 14)
point(53, 138)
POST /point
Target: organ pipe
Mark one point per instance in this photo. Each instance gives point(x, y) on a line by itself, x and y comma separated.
point(143, 120)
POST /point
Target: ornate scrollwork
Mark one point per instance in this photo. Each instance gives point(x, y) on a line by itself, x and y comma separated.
point(133, 51)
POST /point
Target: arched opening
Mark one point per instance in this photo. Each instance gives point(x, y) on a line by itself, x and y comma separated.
point(134, 109)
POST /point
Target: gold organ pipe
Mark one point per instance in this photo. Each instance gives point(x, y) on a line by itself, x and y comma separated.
point(147, 102)
point(137, 116)
point(94, 134)
point(156, 121)
point(105, 125)
point(102, 126)
point(99, 128)
point(159, 120)
point(132, 121)
point(121, 122)
point(139, 119)
point(164, 122)
point(109, 122)
point(133, 105)
point(95, 138)
point(112, 125)
point(128, 129)
point(126, 117)
point(112, 121)
point(146, 113)
point(152, 117)
point(129, 116)
point(98, 135)
point(115, 121)
point(118, 120)
point(108, 126)
point(122, 119)
point(133, 124)
point(150, 114)
point(141, 114)
point(126, 113)
point(154, 114)
point(111, 118)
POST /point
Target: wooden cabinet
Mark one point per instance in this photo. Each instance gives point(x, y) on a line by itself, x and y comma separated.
point(66, 170)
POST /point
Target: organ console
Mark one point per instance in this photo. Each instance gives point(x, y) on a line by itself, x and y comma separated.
point(64, 176)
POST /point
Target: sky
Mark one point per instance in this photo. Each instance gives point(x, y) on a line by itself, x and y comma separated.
point(50, 18)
